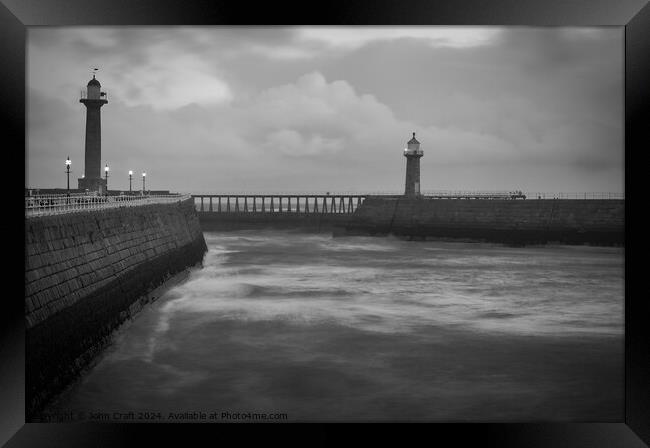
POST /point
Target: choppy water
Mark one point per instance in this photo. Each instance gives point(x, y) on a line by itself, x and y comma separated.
point(362, 328)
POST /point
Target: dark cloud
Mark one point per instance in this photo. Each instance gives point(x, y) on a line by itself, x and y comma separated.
point(227, 108)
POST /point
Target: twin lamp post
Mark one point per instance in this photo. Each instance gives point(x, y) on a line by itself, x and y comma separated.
point(68, 163)
point(131, 178)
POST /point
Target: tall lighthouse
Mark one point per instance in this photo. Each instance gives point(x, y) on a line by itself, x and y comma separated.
point(412, 154)
point(93, 99)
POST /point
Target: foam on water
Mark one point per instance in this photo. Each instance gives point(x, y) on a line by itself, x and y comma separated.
point(375, 315)
point(404, 285)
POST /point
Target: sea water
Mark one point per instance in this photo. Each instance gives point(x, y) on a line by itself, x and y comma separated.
point(314, 328)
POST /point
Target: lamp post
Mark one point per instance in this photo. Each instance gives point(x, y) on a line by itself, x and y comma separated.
point(68, 162)
point(106, 176)
point(130, 178)
point(143, 176)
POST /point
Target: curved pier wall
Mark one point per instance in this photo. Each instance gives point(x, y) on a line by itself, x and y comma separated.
point(567, 221)
point(86, 273)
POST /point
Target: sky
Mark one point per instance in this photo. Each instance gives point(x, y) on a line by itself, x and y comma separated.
point(314, 109)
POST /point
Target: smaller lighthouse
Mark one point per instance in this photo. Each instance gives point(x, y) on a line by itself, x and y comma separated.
point(412, 154)
point(93, 99)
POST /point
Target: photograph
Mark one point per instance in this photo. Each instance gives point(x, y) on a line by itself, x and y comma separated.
point(271, 224)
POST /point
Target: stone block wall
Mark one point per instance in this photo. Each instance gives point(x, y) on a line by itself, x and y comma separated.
point(86, 272)
point(509, 221)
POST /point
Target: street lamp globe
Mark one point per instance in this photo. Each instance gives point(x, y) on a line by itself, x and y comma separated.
point(68, 162)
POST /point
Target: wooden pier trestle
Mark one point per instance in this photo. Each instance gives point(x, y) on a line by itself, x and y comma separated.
point(257, 203)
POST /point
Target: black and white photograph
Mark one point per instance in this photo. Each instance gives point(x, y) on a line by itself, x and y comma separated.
point(270, 224)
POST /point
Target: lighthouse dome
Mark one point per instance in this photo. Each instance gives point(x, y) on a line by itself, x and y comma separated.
point(94, 82)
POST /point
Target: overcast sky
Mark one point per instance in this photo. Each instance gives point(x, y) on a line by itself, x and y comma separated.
point(224, 109)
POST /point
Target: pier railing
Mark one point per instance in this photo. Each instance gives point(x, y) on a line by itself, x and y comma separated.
point(520, 195)
point(574, 195)
point(501, 194)
point(51, 204)
point(493, 194)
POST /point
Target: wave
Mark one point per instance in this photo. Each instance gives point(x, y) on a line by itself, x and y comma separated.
point(498, 315)
point(314, 278)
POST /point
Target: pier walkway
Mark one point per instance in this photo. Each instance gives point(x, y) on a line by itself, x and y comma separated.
point(53, 204)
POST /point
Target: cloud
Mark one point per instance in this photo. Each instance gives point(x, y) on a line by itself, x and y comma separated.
point(352, 38)
point(164, 74)
point(161, 85)
point(247, 108)
point(292, 143)
point(311, 104)
point(282, 52)
point(299, 43)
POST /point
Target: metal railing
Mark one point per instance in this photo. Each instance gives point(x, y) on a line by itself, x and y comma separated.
point(574, 195)
point(51, 204)
point(494, 194)
point(83, 95)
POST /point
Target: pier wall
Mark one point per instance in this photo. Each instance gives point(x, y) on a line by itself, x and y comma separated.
point(86, 273)
point(568, 221)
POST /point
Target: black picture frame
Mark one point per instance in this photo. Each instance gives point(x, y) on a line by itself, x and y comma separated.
point(634, 15)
